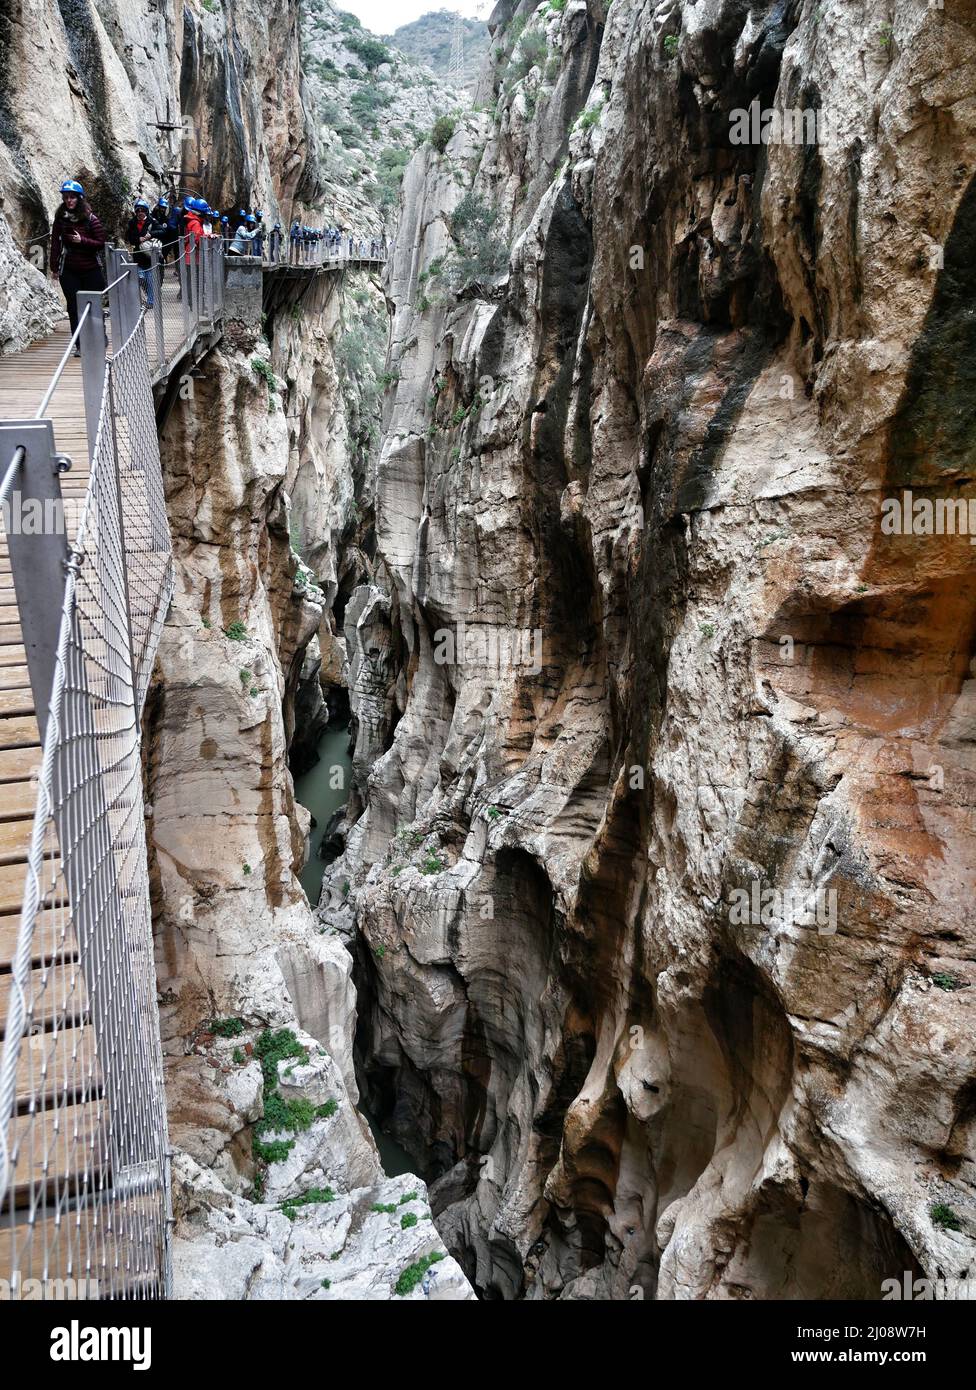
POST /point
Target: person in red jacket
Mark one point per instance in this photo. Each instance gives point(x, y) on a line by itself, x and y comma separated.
point(192, 224)
point(77, 237)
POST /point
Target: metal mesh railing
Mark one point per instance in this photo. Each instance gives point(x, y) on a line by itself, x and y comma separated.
point(84, 1183)
point(182, 293)
point(298, 251)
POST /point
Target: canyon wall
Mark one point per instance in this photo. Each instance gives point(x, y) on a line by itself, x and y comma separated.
point(278, 1188)
point(640, 459)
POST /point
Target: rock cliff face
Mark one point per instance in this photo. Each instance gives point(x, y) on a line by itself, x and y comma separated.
point(641, 458)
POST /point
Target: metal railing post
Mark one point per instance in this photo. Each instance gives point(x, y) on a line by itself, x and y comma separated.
point(156, 279)
point(94, 346)
point(36, 533)
point(197, 284)
point(131, 298)
point(184, 274)
point(115, 306)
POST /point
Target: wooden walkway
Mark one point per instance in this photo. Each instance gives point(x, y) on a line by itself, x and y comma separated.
point(60, 1094)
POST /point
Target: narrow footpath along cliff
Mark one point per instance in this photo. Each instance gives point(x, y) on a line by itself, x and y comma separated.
point(638, 649)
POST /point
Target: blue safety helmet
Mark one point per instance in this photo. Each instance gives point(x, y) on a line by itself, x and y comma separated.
point(250, 219)
point(258, 212)
point(226, 221)
point(141, 203)
point(242, 213)
point(163, 202)
point(72, 186)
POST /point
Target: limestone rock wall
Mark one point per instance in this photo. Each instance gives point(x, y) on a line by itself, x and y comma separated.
point(659, 438)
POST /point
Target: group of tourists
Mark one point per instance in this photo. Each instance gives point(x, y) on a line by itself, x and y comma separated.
point(78, 239)
point(335, 244)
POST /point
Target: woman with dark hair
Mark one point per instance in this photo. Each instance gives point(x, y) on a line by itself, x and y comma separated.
point(77, 236)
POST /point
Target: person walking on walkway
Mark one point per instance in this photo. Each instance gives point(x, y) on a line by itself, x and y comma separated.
point(246, 235)
point(77, 237)
point(140, 230)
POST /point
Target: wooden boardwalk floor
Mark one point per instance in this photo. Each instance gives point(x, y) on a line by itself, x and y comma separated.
point(63, 1215)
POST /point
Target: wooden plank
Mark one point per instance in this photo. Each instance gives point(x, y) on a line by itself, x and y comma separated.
point(79, 1237)
point(14, 678)
point(16, 701)
point(54, 935)
point(58, 1066)
point(18, 764)
point(17, 800)
point(12, 889)
point(18, 732)
point(61, 1146)
point(15, 837)
point(55, 994)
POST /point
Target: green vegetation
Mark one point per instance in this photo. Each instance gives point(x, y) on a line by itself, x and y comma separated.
point(407, 1220)
point(237, 632)
point(379, 952)
point(389, 1208)
point(313, 1197)
point(226, 1027)
point(367, 100)
point(943, 980)
point(370, 51)
point(441, 132)
point(707, 630)
point(671, 46)
point(294, 1115)
point(239, 1056)
point(413, 1274)
point(327, 1283)
point(407, 1197)
point(479, 253)
point(433, 864)
point(246, 869)
point(264, 371)
point(944, 1217)
point(531, 52)
point(590, 116)
point(494, 813)
point(272, 1048)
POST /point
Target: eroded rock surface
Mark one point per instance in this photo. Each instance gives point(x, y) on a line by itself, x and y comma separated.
point(660, 437)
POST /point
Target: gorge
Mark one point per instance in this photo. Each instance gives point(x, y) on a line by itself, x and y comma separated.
point(553, 555)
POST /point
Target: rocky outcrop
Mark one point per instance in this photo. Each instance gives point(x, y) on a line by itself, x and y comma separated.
point(641, 460)
point(262, 457)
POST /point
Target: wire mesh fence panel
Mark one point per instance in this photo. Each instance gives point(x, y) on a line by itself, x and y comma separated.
point(148, 551)
point(84, 1199)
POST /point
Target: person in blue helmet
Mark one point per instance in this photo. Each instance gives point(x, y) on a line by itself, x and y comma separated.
point(259, 227)
point(77, 238)
point(244, 237)
point(275, 243)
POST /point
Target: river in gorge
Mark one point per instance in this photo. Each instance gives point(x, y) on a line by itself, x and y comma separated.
point(323, 789)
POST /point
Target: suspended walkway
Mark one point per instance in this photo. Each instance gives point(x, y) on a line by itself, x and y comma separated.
point(86, 576)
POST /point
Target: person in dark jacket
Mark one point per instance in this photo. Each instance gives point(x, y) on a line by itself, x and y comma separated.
point(143, 227)
point(77, 237)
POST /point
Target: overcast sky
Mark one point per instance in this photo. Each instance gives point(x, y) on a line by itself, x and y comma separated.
point(383, 16)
